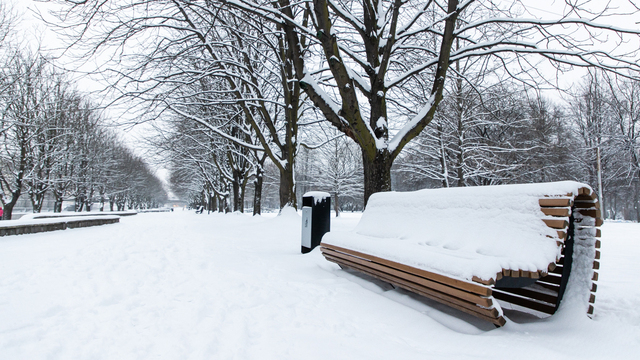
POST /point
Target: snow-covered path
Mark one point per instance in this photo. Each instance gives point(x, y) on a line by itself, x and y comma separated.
point(185, 286)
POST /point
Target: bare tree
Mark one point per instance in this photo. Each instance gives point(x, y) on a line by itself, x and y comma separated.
point(21, 111)
point(246, 59)
point(367, 53)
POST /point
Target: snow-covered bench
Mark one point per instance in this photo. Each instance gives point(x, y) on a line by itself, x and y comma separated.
point(467, 247)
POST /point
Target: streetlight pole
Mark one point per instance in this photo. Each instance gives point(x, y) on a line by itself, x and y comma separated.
point(600, 195)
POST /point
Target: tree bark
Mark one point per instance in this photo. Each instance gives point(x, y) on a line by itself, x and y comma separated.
point(288, 188)
point(8, 210)
point(257, 193)
point(237, 198)
point(377, 173)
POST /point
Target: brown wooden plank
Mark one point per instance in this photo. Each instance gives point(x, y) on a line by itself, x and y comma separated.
point(586, 204)
point(594, 287)
point(593, 212)
point(591, 310)
point(562, 234)
point(595, 276)
point(564, 212)
point(524, 302)
point(534, 275)
point(482, 281)
point(596, 265)
point(598, 244)
point(529, 293)
point(459, 284)
point(490, 315)
point(592, 298)
point(551, 279)
point(587, 193)
point(553, 287)
point(555, 202)
point(598, 233)
point(558, 270)
point(486, 302)
point(556, 223)
point(597, 256)
point(408, 285)
point(599, 222)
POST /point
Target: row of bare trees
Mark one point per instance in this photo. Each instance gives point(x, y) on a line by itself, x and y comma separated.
point(54, 144)
point(244, 85)
point(513, 136)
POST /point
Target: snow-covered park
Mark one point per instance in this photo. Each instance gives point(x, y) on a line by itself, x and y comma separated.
point(185, 286)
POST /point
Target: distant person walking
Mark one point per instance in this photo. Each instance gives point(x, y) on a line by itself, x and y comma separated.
point(1, 213)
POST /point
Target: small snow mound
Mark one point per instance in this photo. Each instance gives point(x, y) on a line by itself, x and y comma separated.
point(288, 212)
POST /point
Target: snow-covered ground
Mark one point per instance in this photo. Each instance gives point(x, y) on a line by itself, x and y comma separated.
point(185, 286)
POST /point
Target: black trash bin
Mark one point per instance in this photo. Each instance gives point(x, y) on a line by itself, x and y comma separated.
point(316, 218)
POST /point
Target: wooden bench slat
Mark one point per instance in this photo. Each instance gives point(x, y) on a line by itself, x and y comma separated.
point(592, 212)
point(548, 286)
point(482, 301)
point(536, 295)
point(459, 284)
point(490, 315)
point(586, 204)
point(556, 223)
point(587, 192)
point(555, 202)
point(530, 304)
point(563, 212)
point(557, 270)
point(551, 279)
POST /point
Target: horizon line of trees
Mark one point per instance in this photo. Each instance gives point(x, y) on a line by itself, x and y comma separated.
point(55, 143)
point(510, 137)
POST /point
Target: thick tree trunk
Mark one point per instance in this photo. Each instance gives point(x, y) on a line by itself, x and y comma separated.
point(8, 211)
point(37, 199)
point(238, 191)
point(79, 204)
point(214, 203)
point(377, 173)
point(257, 193)
point(288, 188)
point(220, 200)
point(57, 205)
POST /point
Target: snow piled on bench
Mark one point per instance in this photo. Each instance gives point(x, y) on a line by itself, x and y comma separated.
point(460, 232)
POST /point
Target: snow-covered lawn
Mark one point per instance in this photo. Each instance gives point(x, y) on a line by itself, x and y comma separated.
point(185, 286)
